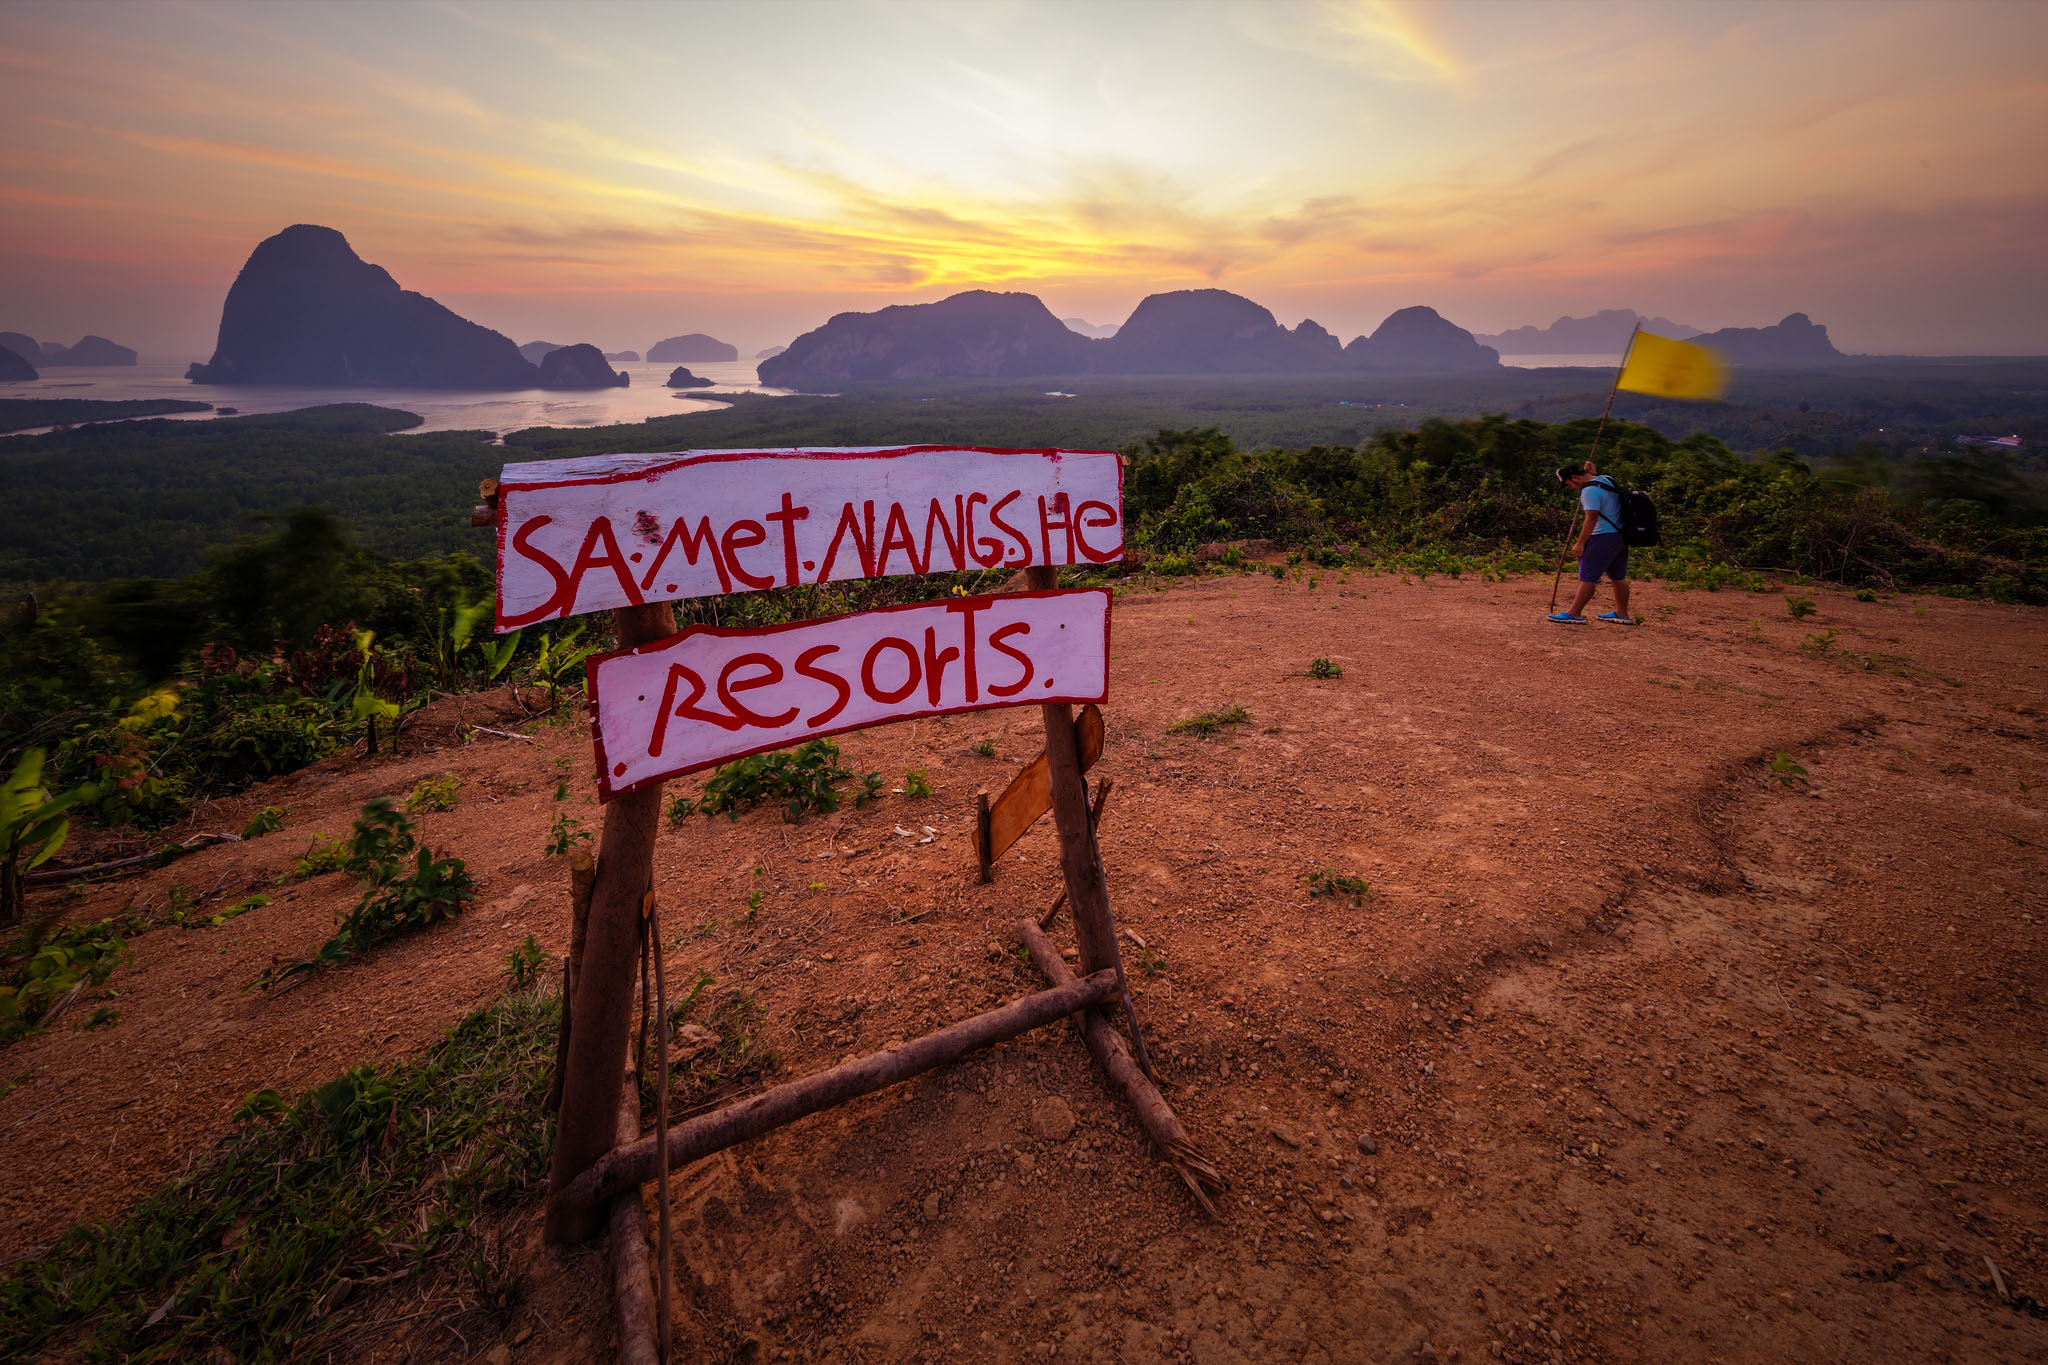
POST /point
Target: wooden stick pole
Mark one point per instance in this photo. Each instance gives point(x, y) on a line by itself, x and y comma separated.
point(626, 1239)
point(582, 876)
point(1598, 431)
point(1080, 858)
point(663, 1260)
point(633, 1166)
point(604, 991)
point(983, 837)
point(1194, 1168)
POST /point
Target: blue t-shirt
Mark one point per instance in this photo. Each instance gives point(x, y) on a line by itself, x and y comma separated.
point(1602, 500)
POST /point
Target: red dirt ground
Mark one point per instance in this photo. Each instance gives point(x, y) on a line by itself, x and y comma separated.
point(1659, 1057)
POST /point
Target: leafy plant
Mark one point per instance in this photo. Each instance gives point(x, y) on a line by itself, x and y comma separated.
point(871, 785)
point(43, 977)
point(565, 834)
point(1209, 722)
point(526, 963)
point(1866, 594)
point(322, 855)
point(407, 889)
point(269, 820)
point(1323, 882)
point(431, 794)
point(1787, 771)
point(1152, 962)
point(802, 779)
point(33, 826)
point(916, 783)
point(680, 809)
point(984, 748)
point(1798, 608)
point(1323, 668)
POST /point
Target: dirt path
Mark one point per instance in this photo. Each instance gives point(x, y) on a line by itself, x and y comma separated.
point(1658, 1057)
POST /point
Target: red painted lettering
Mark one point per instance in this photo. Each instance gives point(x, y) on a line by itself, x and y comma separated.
point(742, 535)
point(995, 514)
point(1082, 524)
point(955, 536)
point(554, 605)
point(863, 541)
point(987, 550)
point(966, 608)
point(867, 670)
point(935, 661)
point(601, 530)
point(789, 516)
point(689, 710)
point(804, 662)
point(1059, 518)
point(692, 543)
point(891, 540)
point(770, 674)
point(995, 641)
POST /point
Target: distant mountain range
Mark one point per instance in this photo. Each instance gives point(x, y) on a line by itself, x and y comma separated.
point(1607, 330)
point(980, 334)
point(306, 309)
point(90, 350)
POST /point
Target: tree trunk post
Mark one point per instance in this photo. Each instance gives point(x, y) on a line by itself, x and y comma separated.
point(603, 1002)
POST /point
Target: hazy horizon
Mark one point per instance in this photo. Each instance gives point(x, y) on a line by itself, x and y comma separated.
point(619, 174)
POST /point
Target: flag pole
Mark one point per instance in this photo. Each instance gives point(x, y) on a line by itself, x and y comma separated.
point(1619, 370)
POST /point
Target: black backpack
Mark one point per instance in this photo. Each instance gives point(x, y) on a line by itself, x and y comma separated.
point(1638, 516)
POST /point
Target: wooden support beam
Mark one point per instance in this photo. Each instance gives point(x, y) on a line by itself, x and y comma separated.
point(629, 1168)
point(983, 853)
point(582, 878)
point(1194, 1168)
point(1103, 787)
point(632, 1280)
point(603, 1003)
point(1029, 796)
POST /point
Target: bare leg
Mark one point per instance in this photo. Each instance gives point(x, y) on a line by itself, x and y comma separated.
point(1584, 595)
point(1621, 595)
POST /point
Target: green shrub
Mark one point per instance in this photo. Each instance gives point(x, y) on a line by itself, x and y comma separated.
point(431, 794)
point(1209, 722)
point(1323, 668)
point(269, 820)
point(1798, 608)
point(801, 779)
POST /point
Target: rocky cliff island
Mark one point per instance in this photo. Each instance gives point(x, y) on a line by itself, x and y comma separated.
point(307, 310)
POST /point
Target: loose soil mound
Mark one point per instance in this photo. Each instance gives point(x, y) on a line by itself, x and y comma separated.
point(1633, 1052)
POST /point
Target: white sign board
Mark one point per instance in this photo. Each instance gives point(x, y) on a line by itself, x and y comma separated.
point(713, 694)
point(610, 531)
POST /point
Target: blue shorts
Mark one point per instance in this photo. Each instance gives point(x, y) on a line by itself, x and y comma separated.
point(1606, 553)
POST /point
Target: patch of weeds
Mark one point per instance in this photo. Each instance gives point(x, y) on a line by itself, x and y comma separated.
point(14, 1083)
point(754, 899)
point(1279, 573)
point(525, 964)
point(1323, 668)
point(269, 820)
point(801, 779)
point(916, 783)
point(1820, 645)
point(1866, 595)
point(104, 1017)
point(680, 809)
point(1323, 882)
point(870, 790)
point(235, 911)
point(1799, 608)
point(1152, 962)
point(1957, 769)
point(562, 790)
point(322, 855)
point(374, 1177)
point(42, 974)
point(984, 748)
point(565, 834)
point(407, 889)
point(432, 794)
point(1787, 771)
point(1209, 722)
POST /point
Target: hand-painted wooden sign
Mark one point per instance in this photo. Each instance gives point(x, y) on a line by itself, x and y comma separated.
point(621, 530)
point(712, 694)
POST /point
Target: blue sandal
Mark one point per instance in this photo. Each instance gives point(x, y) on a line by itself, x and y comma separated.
point(1617, 618)
point(1565, 618)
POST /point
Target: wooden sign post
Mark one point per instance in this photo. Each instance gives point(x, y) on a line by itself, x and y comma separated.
point(632, 532)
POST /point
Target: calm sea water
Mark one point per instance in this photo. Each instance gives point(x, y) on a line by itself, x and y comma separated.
point(442, 409)
point(1543, 362)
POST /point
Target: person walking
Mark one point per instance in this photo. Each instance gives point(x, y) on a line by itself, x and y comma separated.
point(1600, 549)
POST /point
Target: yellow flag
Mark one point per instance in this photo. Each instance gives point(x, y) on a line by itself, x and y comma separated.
point(1673, 369)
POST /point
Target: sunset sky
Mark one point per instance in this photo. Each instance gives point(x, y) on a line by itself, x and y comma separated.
point(622, 173)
